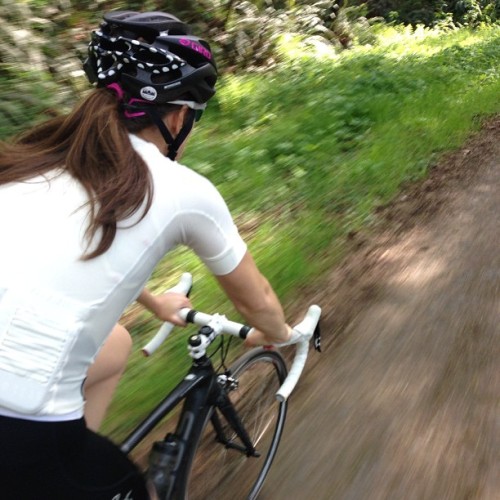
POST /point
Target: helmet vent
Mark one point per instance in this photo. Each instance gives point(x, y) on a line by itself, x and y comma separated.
point(152, 50)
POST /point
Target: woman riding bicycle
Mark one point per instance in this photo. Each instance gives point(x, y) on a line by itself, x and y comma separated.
point(90, 203)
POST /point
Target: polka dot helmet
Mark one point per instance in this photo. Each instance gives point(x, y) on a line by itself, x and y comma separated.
point(152, 56)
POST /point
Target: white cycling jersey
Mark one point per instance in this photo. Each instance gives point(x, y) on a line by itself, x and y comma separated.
point(56, 310)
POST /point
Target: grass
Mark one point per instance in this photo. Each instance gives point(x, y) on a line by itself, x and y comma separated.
point(303, 155)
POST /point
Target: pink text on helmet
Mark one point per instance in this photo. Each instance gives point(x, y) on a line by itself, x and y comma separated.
point(196, 47)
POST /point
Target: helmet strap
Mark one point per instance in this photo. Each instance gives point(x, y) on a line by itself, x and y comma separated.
point(173, 144)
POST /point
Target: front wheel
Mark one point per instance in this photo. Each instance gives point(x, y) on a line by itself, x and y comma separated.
point(221, 469)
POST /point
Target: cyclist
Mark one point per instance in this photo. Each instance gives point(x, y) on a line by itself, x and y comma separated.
point(90, 203)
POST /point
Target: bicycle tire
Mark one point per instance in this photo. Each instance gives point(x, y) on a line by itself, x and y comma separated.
point(216, 471)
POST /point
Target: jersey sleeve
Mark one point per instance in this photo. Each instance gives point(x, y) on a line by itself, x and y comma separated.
point(207, 227)
point(188, 210)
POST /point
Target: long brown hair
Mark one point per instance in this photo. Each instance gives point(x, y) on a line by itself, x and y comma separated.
point(92, 144)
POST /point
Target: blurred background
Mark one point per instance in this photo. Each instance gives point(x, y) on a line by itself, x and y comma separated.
point(325, 110)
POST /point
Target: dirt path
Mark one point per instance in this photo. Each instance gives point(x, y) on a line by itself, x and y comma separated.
point(402, 403)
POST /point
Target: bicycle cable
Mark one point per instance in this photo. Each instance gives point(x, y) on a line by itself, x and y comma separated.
point(223, 348)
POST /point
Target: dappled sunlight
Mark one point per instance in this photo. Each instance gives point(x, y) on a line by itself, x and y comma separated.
point(421, 270)
point(297, 48)
point(302, 154)
point(398, 42)
point(420, 273)
point(391, 43)
point(319, 142)
point(406, 395)
point(401, 38)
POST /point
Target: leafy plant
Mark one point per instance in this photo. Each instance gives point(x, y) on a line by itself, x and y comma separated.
point(40, 72)
point(431, 13)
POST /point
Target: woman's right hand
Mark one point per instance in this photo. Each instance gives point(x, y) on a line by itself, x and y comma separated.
point(166, 306)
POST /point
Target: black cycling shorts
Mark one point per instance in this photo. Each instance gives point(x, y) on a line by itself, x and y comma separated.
point(63, 461)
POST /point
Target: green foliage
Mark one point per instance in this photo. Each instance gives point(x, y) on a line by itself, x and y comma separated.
point(306, 119)
point(40, 75)
point(249, 35)
point(49, 40)
point(26, 99)
point(430, 13)
point(305, 153)
point(305, 148)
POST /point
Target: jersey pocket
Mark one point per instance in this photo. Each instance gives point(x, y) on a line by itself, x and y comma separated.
point(37, 331)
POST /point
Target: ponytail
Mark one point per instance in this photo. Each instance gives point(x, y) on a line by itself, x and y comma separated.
point(92, 144)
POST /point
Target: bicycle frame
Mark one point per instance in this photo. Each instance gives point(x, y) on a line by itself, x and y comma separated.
point(205, 394)
point(201, 393)
point(195, 381)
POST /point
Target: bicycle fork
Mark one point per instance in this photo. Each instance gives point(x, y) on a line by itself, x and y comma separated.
point(226, 407)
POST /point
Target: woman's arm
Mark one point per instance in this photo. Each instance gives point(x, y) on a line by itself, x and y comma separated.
point(248, 290)
point(254, 298)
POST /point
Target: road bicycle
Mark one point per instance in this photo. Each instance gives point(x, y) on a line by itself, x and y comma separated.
point(231, 421)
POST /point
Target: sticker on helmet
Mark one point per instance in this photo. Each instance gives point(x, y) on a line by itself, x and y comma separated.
point(196, 47)
point(148, 93)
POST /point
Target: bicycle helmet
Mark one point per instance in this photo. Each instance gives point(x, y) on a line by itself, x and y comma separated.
point(154, 58)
